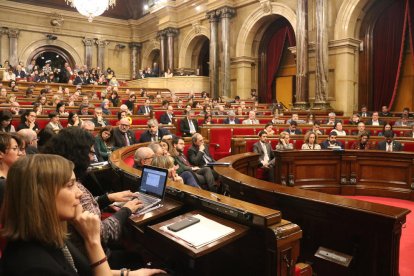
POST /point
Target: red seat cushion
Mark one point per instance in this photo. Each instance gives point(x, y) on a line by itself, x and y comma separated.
point(129, 161)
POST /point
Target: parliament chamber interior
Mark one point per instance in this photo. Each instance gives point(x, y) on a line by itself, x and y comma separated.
point(278, 135)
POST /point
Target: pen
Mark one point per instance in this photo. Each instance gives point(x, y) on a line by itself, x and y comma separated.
point(215, 196)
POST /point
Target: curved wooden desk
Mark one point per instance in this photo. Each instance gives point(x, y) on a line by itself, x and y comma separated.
point(349, 172)
point(369, 232)
point(272, 242)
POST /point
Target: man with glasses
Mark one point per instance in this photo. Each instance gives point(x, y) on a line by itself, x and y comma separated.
point(30, 139)
point(143, 156)
point(98, 119)
point(199, 155)
point(154, 133)
point(122, 135)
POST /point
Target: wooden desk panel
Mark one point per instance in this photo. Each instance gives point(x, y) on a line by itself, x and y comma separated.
point(349, 172)
point(369, 232)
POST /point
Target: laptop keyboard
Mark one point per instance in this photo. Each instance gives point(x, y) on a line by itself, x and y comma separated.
point(146, 199)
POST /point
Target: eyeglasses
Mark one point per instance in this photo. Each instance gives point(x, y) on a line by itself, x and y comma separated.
point(125, 125)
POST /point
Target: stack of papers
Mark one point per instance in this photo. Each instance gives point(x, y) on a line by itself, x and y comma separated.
point(202, 233)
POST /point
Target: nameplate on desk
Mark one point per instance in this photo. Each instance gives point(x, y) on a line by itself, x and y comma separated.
point(202, 233)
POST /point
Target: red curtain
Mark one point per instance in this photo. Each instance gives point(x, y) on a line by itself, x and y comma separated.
point(274, 53)
point(388, 45)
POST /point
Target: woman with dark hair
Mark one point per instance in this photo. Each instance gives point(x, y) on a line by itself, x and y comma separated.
point(74, 120)
point(28, 120)
point(77, 145)
point(208, 119)
point(6, 121)
point(60, 108)
point(104, 143)
point(387, 126)
point(11, 149)
point(54, 123)
point(114, 98)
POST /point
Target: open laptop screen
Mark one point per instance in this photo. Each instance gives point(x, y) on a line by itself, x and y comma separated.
point(153, 181)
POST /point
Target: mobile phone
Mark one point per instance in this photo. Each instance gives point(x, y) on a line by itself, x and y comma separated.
point(180, 225)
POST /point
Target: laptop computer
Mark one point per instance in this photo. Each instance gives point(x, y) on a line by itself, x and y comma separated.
point(151, 190)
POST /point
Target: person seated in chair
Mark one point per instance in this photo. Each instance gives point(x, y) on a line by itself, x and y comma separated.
point(293, 130)
point(154, 133)
point(231, 120)
point(375, 120)
point(363, 142)
point(331, 142)
point(189, 125)
point(389, 144)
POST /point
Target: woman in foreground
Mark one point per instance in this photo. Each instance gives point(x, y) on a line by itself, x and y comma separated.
point(41, 197)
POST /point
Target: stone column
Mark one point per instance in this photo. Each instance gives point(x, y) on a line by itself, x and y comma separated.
point(163, 57)
point(213, 66)
point(88, 51)
point(171, 33)
point(322, 56)
point(13, 35)
point(302, 67)
point(226, 14)
point(101, 53)
point(135, 58)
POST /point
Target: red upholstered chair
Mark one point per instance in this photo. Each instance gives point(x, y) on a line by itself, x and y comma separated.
point(42, 122)
point(129, 161)
point(138, 133)
point(178, 128)
point(139, 121)
point(249, 145)
point(113, 121)
point(158, 114)
point(297, 144)
point(221, 137)
point(244, 131)
point(408, 145)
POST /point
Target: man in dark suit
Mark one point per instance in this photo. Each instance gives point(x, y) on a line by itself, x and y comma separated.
point(168, 117)
point(375, 120)
point(331, 142)
point(267, 158)
point(145, 109)
point(293, 129)
point(189, 125)
point(199, 155)
point(98, 119)
point(360, 129)
point(364, 112)
point(122, 135)
point(231, 120)
point(389, 144)
point(154, 133)
point(204, 175)
point(384, 112)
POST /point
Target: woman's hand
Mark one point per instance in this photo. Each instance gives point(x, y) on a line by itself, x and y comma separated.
point(145, 272)
point(133, 205)
point(123, 196)
point(88, 225)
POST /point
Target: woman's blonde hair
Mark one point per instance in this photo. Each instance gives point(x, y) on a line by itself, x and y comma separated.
point(283, 134)
point(163, 161)
point(29, 209)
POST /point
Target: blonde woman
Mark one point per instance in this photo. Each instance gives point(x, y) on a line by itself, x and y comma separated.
point(311, 142)
point(284, 141)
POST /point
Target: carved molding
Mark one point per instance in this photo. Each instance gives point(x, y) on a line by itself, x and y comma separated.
point(266, 6)
point(88, 41)
point(212, 16)
point(13, 33)
point(197, 27)
point(135, 45)
point(102, 43)
point(226, 12)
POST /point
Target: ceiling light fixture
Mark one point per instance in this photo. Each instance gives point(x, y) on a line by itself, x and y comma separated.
point(91, 8)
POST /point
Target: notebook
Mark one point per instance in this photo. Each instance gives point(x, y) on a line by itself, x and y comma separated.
point(152, 188)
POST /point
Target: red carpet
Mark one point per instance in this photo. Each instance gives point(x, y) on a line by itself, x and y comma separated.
point(407, 237)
